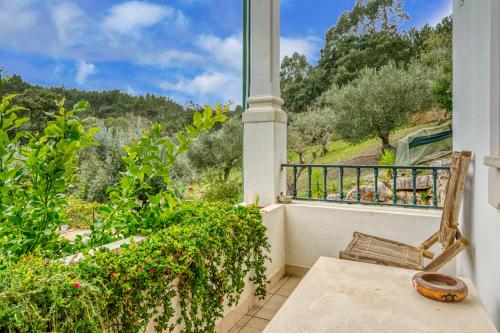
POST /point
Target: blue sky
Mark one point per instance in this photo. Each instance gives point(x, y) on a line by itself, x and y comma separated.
point(185, 49)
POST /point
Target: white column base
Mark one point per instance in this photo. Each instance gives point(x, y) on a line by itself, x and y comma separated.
point(264, 150)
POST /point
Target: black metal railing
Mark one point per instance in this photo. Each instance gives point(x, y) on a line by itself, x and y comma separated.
point(346, 184)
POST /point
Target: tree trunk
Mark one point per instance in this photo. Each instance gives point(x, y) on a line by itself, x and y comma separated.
point(227, 172)
point(385, 142)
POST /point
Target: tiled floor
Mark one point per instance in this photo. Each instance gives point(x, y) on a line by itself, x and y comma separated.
point(261, 314)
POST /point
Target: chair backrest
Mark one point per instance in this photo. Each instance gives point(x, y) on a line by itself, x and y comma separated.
point(453, 200)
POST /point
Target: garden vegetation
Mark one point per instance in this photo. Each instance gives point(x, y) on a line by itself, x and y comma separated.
point(195, 255)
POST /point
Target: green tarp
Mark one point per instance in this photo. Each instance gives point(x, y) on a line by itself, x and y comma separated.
point(425, 145)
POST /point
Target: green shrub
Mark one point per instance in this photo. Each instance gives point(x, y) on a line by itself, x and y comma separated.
point(387, 157)
point(80, 213)
point(145, 194)
point(40, 175)
point(223, 190)
point(208, 248)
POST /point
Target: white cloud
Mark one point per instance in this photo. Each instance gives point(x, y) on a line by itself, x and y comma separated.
point(308, 46)
point(68, 19)
point(131, 16)
point(84, 70)
point(226, 52)
point(170, 58)
point(16, 16)
point(208, 85)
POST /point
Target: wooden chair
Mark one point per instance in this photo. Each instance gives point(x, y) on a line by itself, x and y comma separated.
point(381, 251)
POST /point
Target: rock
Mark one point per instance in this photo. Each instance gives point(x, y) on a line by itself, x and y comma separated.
point(367, 193)
point(406, 198)
point(441, 163)
point(333, 197)
point(406, 183)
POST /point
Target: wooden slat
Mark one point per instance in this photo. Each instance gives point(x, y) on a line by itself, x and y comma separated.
point(447, 255)
point(429, 241)
point(453, 200)
point(384, 252)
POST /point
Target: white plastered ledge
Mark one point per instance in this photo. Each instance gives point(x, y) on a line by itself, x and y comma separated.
point(492, 161)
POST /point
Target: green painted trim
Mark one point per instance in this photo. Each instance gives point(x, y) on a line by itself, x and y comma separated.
point(246, 50)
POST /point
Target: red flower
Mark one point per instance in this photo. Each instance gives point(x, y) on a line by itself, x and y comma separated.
point(151, 271)
point(221, 299)
point(141, 268)
point(32, 277)
point(76, 285)
point(113, 276)
point(47, 262)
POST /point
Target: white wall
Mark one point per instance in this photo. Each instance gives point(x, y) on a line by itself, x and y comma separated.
point(318, 229)
point(476, 89)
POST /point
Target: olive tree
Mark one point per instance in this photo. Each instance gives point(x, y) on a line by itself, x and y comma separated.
point(310, 129)
point(219, 150)
point(377, 102)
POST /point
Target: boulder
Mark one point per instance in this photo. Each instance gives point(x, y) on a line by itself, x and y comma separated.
point(333, 197)
point(406, 183)
point(406, 198)
point(367, 193)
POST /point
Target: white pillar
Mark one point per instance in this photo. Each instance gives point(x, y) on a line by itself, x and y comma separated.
point(265, 132)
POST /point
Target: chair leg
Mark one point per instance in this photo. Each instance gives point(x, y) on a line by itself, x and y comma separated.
point(447, 255)
point(429, 241)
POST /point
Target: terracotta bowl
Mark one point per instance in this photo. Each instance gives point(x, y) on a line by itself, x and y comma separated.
point(440, 287)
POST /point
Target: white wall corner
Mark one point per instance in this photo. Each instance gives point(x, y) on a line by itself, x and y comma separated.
point(493, 161)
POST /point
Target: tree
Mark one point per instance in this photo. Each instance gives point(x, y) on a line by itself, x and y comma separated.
point(311, 129)
point(219, 150)
point(442, 89)
point(370, 16)
point(377, 102)
point(366, 36)
point(436, 52)
point(294, 75)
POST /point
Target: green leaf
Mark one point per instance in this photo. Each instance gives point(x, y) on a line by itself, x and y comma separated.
point(81, 106)
point(197, 119)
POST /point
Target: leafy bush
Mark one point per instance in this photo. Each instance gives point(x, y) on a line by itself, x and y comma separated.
point(39, 176)
point(202, 257)
point(81, 213)
point(145, 195)
point(387, 157)
point(228, 191)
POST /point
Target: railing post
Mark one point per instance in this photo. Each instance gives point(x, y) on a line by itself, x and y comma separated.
point(309, 182)
point(435, 188)
point(358, 191)
point(394, 186)
point(341, 185)
point(294, 190)
point(375, 174)
point(325, 177)
point(414, 180)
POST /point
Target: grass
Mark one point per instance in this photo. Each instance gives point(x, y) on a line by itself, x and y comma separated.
point(341, 151)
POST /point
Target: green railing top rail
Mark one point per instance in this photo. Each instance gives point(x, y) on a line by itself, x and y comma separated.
point(339, 196)
point(368, 166)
